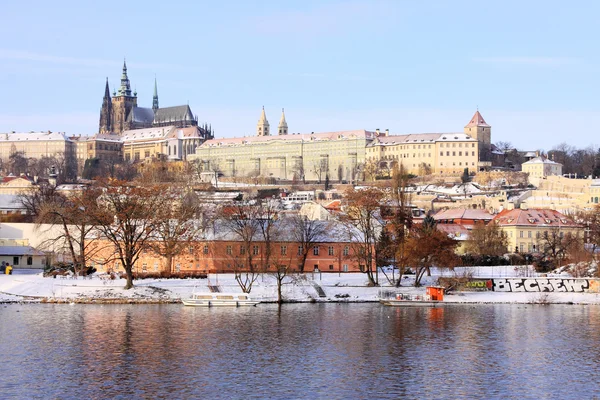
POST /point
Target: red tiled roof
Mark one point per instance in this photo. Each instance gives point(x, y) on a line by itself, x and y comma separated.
point(477, 120)
point(534, 217)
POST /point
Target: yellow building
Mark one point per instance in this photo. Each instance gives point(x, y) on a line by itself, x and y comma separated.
point(342, 156)
point(540, 168)
point(168, 142)
point(420, 154)
point(36, 145)
point(527, 228)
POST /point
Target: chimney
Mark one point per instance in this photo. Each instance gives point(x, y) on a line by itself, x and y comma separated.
point(387, 132)
point(537, 153)
point(377, 131)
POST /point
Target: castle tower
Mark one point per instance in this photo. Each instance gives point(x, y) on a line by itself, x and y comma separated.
point(478, 129)
point(283, 126)
point(262, 128)
point(123, 103)
point(155, 97)
point(106, 112)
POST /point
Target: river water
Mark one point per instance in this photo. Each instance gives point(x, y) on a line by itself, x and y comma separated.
point(299, 351)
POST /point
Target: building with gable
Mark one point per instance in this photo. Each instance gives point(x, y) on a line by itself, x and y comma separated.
point(527, 228)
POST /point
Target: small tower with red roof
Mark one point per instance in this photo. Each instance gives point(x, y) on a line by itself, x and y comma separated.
point(478, 129)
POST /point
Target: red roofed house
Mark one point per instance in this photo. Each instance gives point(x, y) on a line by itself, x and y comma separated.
point(526, 228)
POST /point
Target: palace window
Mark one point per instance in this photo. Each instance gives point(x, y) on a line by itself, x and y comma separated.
point(330, 250)
point(205, 250)
point(316, 250)
point(283, 250)
point(229, 250)
point(255, 250)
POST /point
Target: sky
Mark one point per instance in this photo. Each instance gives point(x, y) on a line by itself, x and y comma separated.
point(530, 67)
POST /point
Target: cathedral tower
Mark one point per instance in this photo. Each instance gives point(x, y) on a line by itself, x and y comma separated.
point(106, 112)
point(123, 103)
point(283, 126)
point(155, 97)
point(262, 128)
point(478, 129)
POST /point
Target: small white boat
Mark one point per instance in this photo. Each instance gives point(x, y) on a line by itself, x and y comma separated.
point(407, 300)
point(219, 299)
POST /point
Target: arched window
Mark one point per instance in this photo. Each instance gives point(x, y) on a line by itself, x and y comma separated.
point(29, 260)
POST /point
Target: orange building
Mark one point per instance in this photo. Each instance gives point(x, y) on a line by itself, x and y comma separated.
point(225, 254)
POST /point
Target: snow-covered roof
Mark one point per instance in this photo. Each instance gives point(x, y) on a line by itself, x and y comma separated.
point(20, 251)
point(32, 136)
point(304, 137)
point(540, 160)
point(147, 134)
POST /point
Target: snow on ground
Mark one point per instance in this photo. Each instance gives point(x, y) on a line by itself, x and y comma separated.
point(336, 288)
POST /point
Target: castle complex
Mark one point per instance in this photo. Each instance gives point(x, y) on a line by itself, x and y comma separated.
point(121, 113)
point(345, 155)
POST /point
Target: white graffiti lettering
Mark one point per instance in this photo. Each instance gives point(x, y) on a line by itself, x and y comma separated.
point(541, 285)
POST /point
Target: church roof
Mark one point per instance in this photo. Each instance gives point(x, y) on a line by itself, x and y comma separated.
point(263, 118)
point(282, 121)
point(173, 114)
point(477, 120)
point(141, 114)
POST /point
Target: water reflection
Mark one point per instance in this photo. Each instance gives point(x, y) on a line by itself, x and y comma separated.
point(299, 351)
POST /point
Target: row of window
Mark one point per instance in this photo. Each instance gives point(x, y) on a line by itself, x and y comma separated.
point(283, 250)
point(537, 234)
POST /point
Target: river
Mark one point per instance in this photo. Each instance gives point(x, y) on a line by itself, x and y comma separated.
point(299, 351)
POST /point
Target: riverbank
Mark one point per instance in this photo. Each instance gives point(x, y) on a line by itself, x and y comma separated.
point(317, 287)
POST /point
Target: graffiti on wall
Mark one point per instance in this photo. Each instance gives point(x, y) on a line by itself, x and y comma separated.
point(545, 285)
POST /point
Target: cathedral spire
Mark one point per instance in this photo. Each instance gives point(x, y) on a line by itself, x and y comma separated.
point(262, 128)
point(106, 124)
point(155, 96)
point(106, 90)
point(283, 126)
point(125, 89)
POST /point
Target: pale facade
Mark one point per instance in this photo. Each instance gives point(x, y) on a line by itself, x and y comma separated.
point(339, 155)
point(36, 144)
point(168, 142)
point(441, 153)
point(540, 168)
point(526, 228)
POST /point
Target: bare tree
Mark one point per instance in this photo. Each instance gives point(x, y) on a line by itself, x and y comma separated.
point(363, 228)
point(242, 222)
point(306, 233)
point(177, 223)
point(488, 240)
point(555, 245)
point(427, 247)
point(78, 231)
point(125, 216)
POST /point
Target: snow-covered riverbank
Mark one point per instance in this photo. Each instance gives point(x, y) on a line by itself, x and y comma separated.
point(316, 287)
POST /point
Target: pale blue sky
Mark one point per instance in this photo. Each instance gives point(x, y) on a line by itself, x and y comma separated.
point(410, 66)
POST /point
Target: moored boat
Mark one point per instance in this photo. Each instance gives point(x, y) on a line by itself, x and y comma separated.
point(433, 298)
point(219, 299)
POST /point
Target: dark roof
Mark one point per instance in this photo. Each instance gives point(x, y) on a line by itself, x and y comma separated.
point(173, 114)
point(141, 114)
